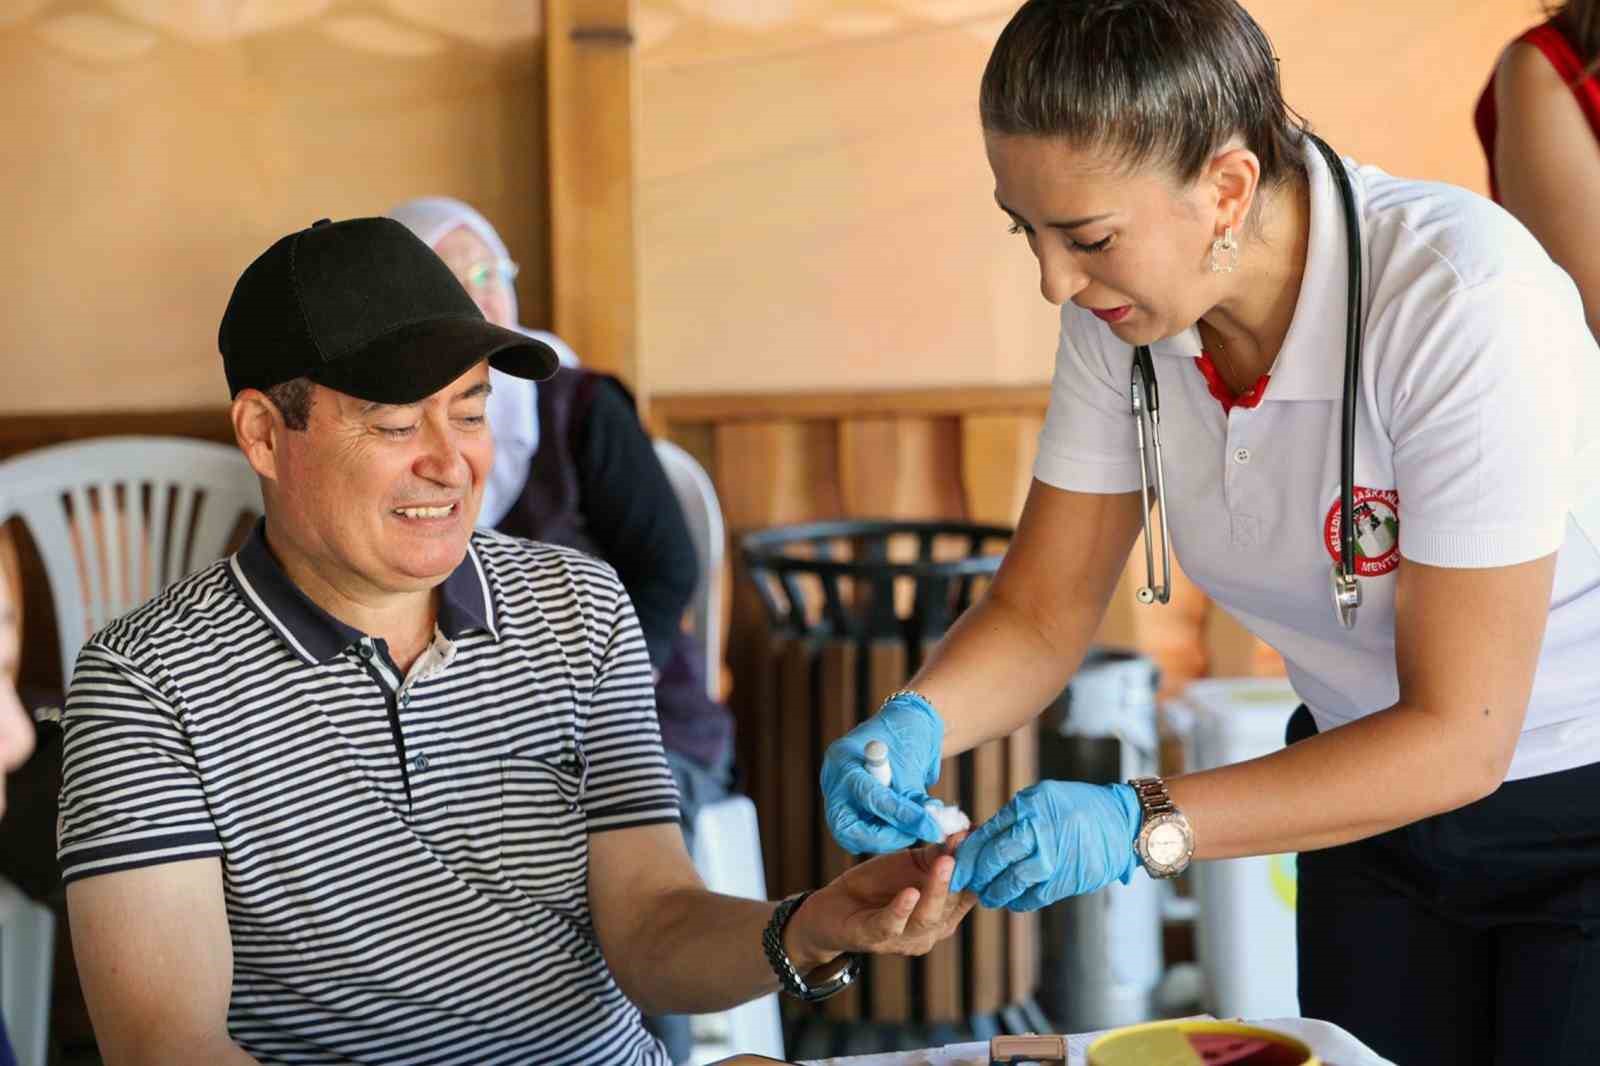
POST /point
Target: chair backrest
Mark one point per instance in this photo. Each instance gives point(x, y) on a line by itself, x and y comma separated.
point(27, 961)
point(118, 519)
point(727, 853)
point(697, 497)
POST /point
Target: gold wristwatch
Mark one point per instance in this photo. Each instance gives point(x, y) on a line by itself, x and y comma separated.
point(1165, 843)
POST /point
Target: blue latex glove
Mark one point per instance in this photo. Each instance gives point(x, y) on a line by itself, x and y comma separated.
point(865, 817)
point(1053, 840)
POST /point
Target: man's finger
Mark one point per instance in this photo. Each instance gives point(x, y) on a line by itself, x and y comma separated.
point(889, 923)
point(935, 895)
point(955, 912)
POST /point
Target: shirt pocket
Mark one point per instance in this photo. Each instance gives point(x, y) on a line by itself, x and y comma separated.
point(544, 841)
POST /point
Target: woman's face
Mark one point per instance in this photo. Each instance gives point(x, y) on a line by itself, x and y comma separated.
point(1132, 247)
point(16, 732)
point(483, 274)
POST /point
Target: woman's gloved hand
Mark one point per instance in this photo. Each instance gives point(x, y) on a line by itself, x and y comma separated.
point(866, 817)
point(1053, 840)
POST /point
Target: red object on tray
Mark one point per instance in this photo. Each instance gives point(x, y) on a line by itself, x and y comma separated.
point(1220, 1049)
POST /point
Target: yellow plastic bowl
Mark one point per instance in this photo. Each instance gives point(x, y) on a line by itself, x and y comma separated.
point(1167, 1044)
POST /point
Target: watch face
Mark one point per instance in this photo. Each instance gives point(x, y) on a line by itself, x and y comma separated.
point(1166, 844)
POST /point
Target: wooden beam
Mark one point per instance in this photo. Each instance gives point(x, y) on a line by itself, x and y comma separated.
point(669, 410)
point(22, 433)
point(592, 60)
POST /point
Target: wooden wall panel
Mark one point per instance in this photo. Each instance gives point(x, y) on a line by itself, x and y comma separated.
point(797, 201)
point(997, 452)
point(154, 148)
point(770, 473)
point(905, 467)
point(810, 202)
point(814, 205)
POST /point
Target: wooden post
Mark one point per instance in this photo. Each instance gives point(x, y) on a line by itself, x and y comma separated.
point(594, 104)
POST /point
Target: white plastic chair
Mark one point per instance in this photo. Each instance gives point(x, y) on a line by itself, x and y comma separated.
point(727, 836)
point(27, 952)
point(697, 497)
point(118, 519)
point(727, 853)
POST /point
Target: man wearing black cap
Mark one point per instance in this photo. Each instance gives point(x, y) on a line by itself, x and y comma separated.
point(379, 788)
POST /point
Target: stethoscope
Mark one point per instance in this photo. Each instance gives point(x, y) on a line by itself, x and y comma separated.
point(1147, 411)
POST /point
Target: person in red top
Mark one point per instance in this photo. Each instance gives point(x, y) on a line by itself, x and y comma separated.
point(1539, 121)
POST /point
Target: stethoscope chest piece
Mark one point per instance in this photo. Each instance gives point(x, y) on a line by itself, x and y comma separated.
point(1346, 596)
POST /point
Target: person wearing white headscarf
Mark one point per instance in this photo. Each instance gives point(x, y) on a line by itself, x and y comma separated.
point(513, 407)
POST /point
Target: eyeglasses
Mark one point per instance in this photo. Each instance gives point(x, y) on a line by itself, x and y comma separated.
point(479, 275)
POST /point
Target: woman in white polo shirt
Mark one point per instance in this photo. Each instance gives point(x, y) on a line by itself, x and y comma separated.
point(1444, 786)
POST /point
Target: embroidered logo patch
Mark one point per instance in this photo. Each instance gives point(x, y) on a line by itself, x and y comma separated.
point(1377, 521)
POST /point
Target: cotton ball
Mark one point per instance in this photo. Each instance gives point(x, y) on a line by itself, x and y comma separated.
point(950, 820)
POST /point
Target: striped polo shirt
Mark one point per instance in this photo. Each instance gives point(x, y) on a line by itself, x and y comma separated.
point(404, 854)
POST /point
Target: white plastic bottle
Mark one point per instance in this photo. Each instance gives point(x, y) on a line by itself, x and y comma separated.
point(878, 763)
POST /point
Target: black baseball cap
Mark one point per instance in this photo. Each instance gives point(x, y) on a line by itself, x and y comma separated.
point(364, 307)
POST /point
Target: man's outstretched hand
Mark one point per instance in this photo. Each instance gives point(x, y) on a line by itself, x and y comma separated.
point(895, 904)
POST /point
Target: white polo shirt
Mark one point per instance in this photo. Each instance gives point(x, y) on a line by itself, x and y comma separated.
point(1477, 445)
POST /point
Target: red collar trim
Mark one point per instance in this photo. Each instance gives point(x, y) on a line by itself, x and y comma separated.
point(1219, 388)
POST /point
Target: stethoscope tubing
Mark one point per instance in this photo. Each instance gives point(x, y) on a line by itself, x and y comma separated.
point(1146, 402)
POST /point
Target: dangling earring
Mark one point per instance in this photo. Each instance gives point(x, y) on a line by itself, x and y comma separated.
point(1225, 253)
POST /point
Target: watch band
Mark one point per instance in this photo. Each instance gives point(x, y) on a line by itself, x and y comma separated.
point(821, 983)
point(913, 693)
point(1153, 796)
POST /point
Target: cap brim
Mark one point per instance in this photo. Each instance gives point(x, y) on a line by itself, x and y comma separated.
point(412, 363)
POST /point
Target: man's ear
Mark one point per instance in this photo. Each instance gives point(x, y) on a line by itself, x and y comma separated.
point(258, 427)
point(1236, 176)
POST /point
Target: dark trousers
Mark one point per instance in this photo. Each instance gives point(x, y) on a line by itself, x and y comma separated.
point(1468, 939)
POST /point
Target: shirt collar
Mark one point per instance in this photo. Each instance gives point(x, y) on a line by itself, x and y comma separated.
point(314, 634)
point(1310, 365)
